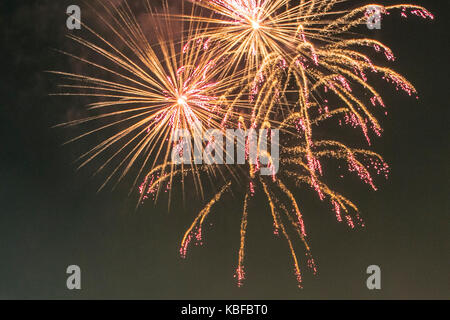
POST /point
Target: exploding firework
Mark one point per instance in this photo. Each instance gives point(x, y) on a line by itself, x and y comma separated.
point(305, 68)
point(280, 65)
point(157, 90)
point(311, 44)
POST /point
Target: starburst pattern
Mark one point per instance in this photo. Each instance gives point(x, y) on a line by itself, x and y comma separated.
point(292, 66)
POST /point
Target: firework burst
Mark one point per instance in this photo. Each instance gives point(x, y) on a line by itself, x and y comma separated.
point(280, 65)
point(305, 68)
point(158, 89)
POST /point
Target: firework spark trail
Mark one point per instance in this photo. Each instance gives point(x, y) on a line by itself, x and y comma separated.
point(195, 229)
point(278, 225)
point(259, 64)
point(240, 273)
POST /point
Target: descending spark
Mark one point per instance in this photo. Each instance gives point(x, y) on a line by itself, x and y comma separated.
point(240, 274)
point(196, 228)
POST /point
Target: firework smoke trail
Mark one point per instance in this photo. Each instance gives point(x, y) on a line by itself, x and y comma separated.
point(259, 64)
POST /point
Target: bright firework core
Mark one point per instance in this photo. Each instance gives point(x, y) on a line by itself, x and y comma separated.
point(182, 101)
point(255, 25)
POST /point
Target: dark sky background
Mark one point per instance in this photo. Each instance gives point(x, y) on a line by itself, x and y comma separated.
point(52, 217)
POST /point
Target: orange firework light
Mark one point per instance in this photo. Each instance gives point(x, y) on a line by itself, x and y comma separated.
point(159, 89)
point(278, 65)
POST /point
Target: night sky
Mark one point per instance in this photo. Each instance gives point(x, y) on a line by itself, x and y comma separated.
point(51, 215)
